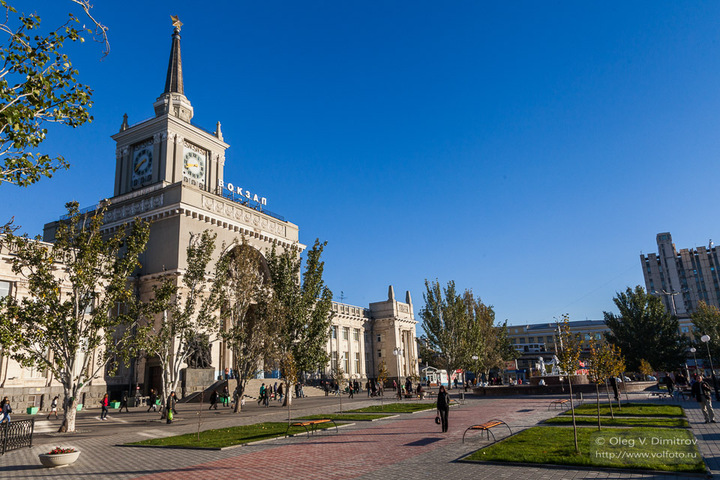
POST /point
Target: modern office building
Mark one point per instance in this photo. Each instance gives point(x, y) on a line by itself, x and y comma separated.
point(682, 279)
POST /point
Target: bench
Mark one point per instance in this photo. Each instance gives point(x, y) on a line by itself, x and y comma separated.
point(660, 395)
point(17, 434)
point(560, 402)
point(487, 426)
point(310, 426)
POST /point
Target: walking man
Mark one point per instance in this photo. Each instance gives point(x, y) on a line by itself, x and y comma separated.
point(702, 393)
point(152, 402)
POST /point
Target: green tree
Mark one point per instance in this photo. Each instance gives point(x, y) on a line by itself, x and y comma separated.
point(248, 311)
point(459, 327)
point(186, 308)
point(304, 306)
point(65, 323)
point(38, 86)
point(706, 320)
point(570, 347)
point(645, 330)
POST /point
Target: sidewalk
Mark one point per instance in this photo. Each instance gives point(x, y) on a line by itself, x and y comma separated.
point(409, 445)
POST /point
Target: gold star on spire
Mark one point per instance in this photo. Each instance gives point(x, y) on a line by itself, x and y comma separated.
point(176, 22)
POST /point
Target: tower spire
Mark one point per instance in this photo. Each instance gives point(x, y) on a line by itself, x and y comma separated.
point(173, 101)
point(174, 80)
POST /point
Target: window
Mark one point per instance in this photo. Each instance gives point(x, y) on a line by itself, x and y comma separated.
point(598, 336)
point(4, 289)
point(357, 362)
point(531, 339)
point(346, 332)
point(346, 362)
point(379, 353)
point(378, 338)
point(549, 339)
point(334, 332)
point(333, 361)
point(356, 334)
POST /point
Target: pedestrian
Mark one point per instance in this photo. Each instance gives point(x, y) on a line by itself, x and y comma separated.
point(170, 407)
point(124, 403)
point(280, 393)
point(6, 410)
point(443, 406)
point(213, 400)
point(152, 402)
point(394, 385)
point(351, 389)
point(261, 396)
point(104, 404)
point(669, 383)
point(702, 393)
point(53, 407)
point(226, 396)
point(367, 387)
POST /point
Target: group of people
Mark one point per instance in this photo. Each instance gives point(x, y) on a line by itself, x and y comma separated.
point(270, 392)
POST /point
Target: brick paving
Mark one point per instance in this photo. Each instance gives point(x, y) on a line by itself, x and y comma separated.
point(408, 445)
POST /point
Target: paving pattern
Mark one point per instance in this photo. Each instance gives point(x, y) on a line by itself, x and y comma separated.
point(408, 445)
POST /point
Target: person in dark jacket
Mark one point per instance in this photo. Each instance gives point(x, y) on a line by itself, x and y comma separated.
point(213, 400)
point(443, 406)
point(702, 393)
point(6, 410)
point(152, 402)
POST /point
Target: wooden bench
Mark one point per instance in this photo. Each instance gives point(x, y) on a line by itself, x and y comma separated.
point(560, 402)
point(487, 426)
point(310, 426)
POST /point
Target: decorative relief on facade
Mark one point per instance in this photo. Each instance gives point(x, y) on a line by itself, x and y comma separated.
point(403, 308)
point(142, 145)
point(234, 212)
point(160, 136)
point(194, 147)
point(135, 208)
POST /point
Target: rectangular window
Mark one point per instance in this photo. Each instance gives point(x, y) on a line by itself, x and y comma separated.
point(549, 339)
point(4, 289)
point(531, 339)
point(379, 353)
point(356, 334)
point(346, 362)
point(357, 362)
point(378, 338)
point(334, 332)
point(333, 361)
point(346, 332)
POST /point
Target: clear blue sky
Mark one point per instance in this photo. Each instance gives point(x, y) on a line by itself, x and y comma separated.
point(527, 150)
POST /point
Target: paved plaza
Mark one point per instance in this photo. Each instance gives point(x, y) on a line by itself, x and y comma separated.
point(406, 446)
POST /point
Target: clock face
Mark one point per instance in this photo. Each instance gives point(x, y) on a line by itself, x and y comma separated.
point(142, 166)
point(194, 165)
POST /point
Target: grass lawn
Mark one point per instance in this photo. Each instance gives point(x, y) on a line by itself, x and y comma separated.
point(630, 410)
point(634, 448)
point(227, 437)
point(619, 422)
point(396, 408)
point(348, 417)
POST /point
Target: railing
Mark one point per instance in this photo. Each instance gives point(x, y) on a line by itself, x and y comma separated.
point(225, 193)
point(18, 434)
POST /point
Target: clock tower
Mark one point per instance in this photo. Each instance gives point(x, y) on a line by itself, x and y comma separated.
point(168, 148)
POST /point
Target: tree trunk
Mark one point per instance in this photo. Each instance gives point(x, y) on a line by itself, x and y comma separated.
point(607, 390)
point(572, 407)
point(288, 395)
point(238, 394)
point(597, 396)
point(70, 412)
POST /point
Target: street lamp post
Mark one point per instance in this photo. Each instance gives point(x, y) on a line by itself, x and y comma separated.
point(398, 353)
point(706, 340)
point(475, 359)
point(692, 350)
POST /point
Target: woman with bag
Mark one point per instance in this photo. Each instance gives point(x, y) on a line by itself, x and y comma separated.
point(443, 406)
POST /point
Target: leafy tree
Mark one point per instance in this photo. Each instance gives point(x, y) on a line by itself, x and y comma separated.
point(382, 374)
point(249, 319)
point(645, 368)
point(304, 307)
point(570, 347)
point(460, 327)
point(38, 86)
point(706, 321)
point(186, 307)
point(605, 361)
point(73, 285)
point(645, 330)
